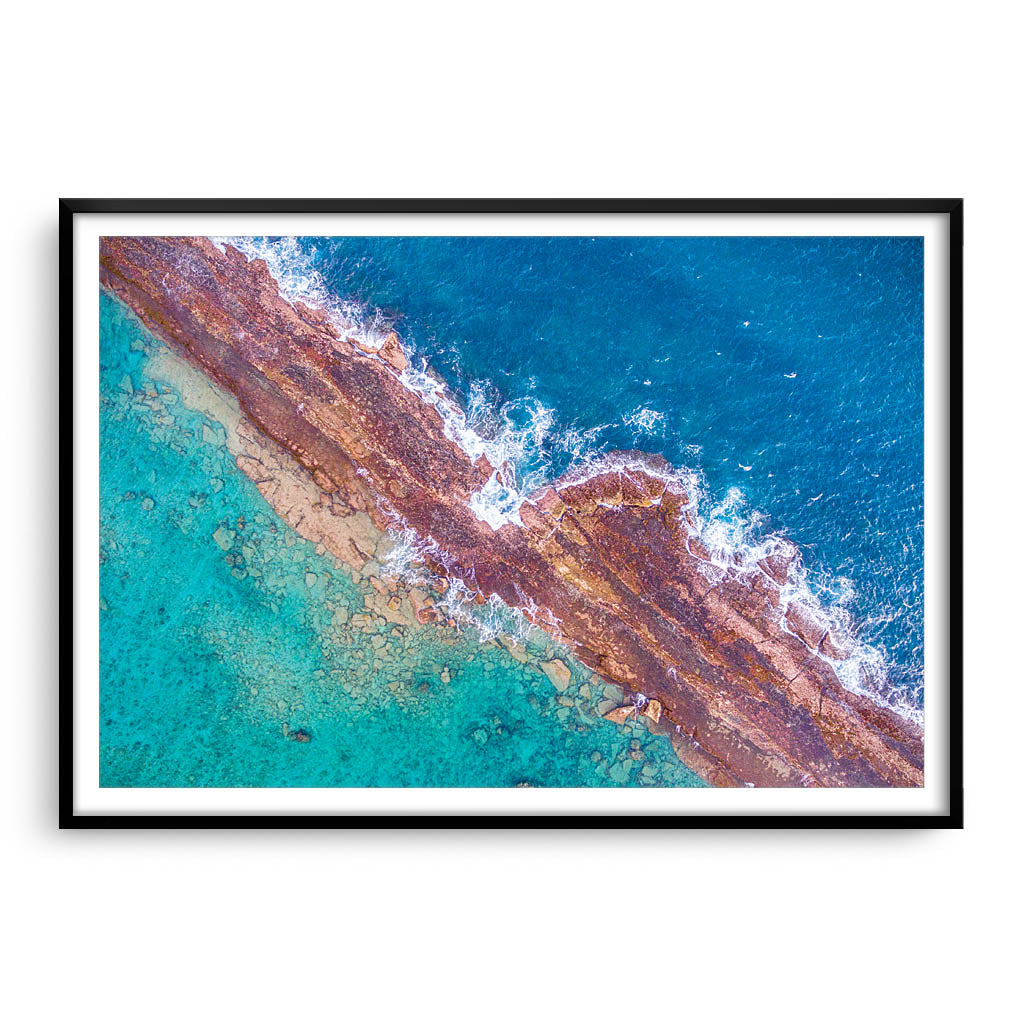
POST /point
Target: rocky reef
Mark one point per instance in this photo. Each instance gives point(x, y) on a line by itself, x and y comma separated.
point(610, 563)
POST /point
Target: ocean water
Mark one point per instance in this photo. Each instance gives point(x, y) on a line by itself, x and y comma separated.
point(222, 631)
point(785, 375)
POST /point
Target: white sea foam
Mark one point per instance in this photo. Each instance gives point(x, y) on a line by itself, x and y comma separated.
point(298, 280)
point(644, 422)
point(737, 544)
point(406, 558)
point(492, 619)
point(519, 440)
point(513, 439)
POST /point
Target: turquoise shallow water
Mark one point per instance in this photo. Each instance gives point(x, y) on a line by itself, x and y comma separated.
point(222, 631)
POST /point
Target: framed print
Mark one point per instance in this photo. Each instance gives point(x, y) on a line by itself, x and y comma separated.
point(516, 512)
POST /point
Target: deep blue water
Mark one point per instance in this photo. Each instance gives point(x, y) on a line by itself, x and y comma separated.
point(801, 358)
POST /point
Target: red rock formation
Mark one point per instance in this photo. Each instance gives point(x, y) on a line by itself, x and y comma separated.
point(608, 563)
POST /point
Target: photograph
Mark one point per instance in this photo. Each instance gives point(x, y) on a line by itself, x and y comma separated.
point(511, 511)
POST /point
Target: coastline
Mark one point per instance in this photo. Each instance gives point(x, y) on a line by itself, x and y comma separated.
point(356, 690)
point(608, 563)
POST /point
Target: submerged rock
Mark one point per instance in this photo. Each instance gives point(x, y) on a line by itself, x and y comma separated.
point(558, 672)
point(422, 606)
point(620, 715)
point(224, 537)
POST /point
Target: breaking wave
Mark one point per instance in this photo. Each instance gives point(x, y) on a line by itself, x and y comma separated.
point(293, 268)
point(644, 422)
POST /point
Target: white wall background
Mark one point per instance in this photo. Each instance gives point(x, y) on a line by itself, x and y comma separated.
point(532, 99)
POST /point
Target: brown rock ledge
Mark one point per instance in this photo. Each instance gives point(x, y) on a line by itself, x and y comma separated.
point(607, 563)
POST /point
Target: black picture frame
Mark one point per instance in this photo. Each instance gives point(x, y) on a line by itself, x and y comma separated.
point(952, 817)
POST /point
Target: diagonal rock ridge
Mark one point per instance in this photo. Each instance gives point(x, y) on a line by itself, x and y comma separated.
point(609, 561)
